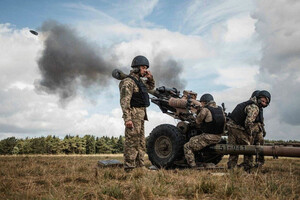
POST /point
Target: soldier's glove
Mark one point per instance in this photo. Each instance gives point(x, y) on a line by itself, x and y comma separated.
point(264, 133)
point(198, 108)
point(192, 118)
point(263, 130)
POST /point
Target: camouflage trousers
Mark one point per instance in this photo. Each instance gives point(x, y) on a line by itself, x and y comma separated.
point(197, 143)
point(258, 139)
point(134, 147)
point(238, 137)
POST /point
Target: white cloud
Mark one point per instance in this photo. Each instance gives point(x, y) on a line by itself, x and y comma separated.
point(239, 28)
point(18, 54)
point(278, 25)
point(237, 77)
point(201, 15)
point(161, 40)
point(132, 12)
point(20, 85)
point(128, 39)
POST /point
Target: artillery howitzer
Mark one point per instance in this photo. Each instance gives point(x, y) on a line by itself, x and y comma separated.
point(165, 142)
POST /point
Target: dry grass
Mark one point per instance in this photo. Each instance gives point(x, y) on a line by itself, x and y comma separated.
point(75, 177)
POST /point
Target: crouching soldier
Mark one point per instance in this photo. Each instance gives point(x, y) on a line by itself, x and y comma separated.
point(211, 120)
point(258, 137)
point(244, 125)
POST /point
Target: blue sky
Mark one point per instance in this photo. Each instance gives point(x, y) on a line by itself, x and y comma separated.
point(221, 46)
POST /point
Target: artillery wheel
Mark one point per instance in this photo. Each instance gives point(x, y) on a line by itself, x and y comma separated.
point(165, 145)
point(205, 156)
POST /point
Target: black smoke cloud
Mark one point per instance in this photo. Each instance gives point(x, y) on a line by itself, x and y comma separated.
point(69, 62)
point(278, 26)
point(166, 71)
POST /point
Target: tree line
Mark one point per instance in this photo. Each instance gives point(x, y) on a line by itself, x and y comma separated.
point(87, 144)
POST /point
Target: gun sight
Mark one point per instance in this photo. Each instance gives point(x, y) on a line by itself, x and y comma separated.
point(170, 91)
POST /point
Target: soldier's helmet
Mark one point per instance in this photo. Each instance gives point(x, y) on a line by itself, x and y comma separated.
point(140, 61)
point(206, 98)
point(266, 94)
point(255, 93)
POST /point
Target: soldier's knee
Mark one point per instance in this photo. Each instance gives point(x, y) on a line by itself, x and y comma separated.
point(186, 146)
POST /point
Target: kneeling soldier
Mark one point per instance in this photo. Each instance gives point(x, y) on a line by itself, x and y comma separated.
point(211, 119)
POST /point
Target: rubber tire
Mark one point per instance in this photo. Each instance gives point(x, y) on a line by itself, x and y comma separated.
point(171, 134)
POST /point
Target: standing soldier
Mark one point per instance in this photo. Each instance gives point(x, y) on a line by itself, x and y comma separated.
point(211, 119)
point(243, 125)
point(134, 99)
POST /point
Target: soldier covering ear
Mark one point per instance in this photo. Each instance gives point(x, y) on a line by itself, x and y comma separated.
point(134, 99)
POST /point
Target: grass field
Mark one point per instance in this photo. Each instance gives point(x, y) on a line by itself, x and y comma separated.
point(76, 177)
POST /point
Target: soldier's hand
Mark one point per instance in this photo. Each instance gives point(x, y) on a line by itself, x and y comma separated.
point(148, 74)
point(129, 124)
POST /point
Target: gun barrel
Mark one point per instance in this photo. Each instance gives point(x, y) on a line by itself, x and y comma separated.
point(154, 93)
point(274, 151)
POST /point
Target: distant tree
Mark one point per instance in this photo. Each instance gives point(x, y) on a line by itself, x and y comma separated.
point(20, 146)
point(25, 146)
point(53, 145)
point(7, 145)
point(16, 150)
point(90, 144)
point(38, 145)
point(120, 144)
point(68, 145)
point(80, 145)
point(102, 145)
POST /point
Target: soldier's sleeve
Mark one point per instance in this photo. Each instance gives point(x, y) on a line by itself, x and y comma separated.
point(126, 91)
point(202, 115)
point(225, 122)
point(252, 112)
point(150, 83)
point(262, 127)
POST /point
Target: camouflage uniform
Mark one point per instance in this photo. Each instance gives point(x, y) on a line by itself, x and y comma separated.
point(258, 139)
point(198, 142)
point(238, 135)
point(134, 148)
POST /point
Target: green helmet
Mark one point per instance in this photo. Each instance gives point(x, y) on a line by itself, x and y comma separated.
point(206, 98)
point(140, 61)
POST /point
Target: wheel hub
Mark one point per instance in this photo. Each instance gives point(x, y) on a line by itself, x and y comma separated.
point(163, 147)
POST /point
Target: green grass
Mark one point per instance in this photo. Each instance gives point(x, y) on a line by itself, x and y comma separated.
point(77, 177)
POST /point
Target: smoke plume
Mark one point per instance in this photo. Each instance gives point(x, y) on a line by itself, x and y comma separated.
point(68, 61)
point(166, 72)
point(278, 26)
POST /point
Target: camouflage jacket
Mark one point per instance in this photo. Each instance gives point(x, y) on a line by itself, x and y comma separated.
point(127, 87)
point(205, 114)
point(252, 112)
